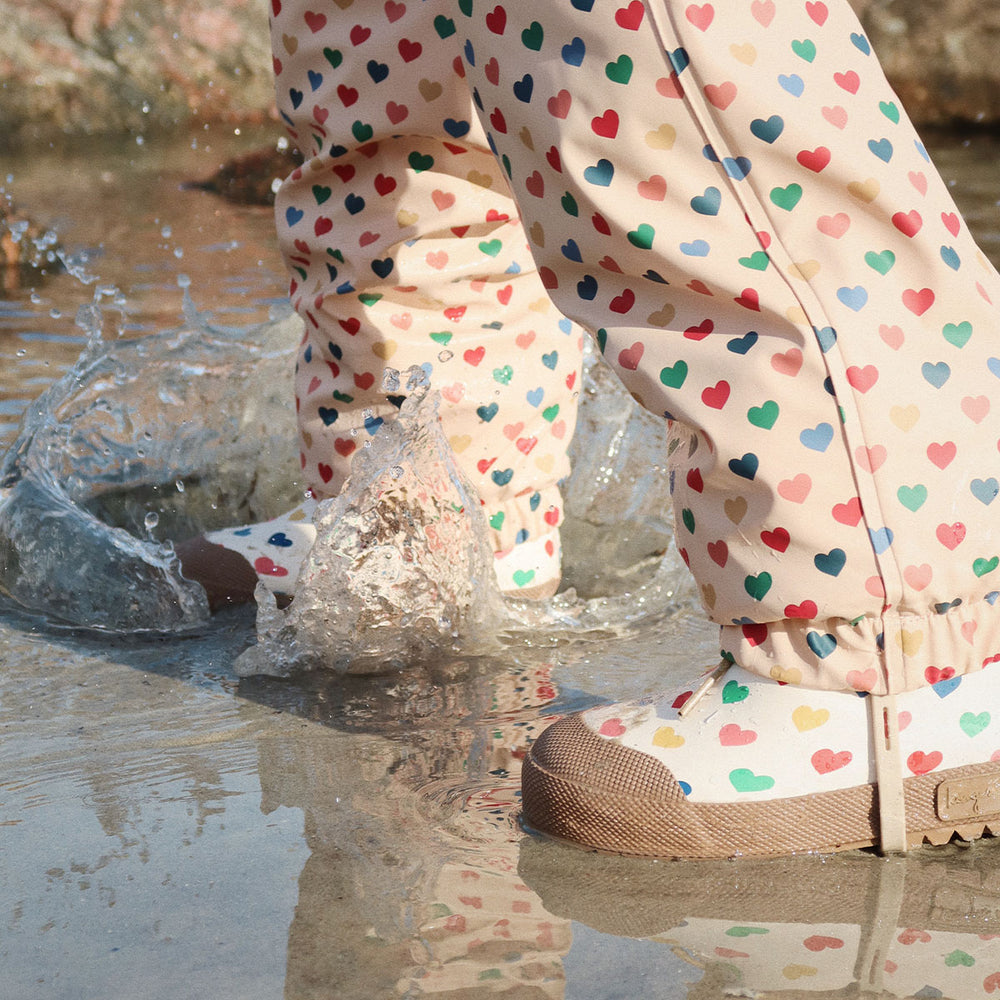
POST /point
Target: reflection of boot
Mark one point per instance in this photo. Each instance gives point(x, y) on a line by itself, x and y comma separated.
point(412, 886)
point(755, 767)
point(486, 932)
point(852, 927)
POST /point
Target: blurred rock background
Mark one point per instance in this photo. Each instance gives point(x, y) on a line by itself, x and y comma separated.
point(100, 66)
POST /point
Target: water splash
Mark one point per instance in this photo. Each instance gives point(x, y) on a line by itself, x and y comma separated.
point(401, 568)
point(190, 430)
point(103, 449)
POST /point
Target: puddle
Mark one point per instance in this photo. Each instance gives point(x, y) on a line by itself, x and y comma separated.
point(169, 828)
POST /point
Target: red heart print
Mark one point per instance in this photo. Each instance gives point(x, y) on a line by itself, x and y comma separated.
point(612, 727)
point(848, 513)
point(807, 609)
point(265, 566)
point(819, 942)
point(942, 454)
point(630, 17)
point(923, 763)
point(816, 159)
point(630, 357)
point(732, 735)
point(778, 539)
point(824, 761)
point(908, 223)
point(719, 552)
point(950, 535)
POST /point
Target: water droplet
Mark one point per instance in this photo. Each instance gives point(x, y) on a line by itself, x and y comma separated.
point(55, 313)
point(151, 520)
point(179, 484)
point(166, 232)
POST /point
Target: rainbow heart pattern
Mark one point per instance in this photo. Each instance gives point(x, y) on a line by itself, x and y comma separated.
point(821, 959)
point(737, 207)
point(754, 738)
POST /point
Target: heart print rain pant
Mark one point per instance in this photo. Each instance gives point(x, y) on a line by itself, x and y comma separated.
point(731, 199)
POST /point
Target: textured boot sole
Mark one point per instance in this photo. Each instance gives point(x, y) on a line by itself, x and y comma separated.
point(581, 788)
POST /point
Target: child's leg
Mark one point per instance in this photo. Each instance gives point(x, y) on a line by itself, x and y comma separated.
point(745, 216)
point(405, 249)
point(731, 196)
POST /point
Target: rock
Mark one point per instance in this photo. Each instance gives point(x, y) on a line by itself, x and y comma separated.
point(940, 56)
point(99, 66)
point(249, 179)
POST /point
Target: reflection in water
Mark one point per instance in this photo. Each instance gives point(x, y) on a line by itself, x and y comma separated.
point(923, 925)
point(419, 882)
point(412, 884)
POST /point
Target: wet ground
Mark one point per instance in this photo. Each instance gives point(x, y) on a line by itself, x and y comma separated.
point(167, 830)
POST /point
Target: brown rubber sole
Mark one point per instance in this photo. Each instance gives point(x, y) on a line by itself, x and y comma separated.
point(581, 788)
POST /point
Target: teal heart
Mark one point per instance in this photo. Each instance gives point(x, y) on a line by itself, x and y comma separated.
point(957, 334)
point(983, 566)
point(763, 416)
point(687, 517)
point(757, 261)
point(985, 490)
point(804, 49)
point(767, 129)
point(786, 197)
point(744, 780)
point(757, 586)
point(881, 262)
point(973, 725)
point(642, 237)
point(912, 497)
point(673, 376)
point(734, 692)
point(831, 562)
point(600, 174)
point(890, 110)
point(707, 203)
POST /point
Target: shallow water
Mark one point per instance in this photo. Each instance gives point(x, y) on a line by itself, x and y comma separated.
point(171, 830)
